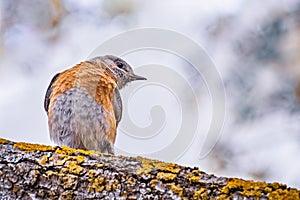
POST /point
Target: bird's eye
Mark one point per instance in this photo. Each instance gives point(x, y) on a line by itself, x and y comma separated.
point(120, 65)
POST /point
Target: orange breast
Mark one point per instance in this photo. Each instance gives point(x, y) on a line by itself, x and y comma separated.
point(96, 81)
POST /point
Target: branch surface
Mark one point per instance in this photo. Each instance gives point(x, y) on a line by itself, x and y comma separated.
point(33, 171)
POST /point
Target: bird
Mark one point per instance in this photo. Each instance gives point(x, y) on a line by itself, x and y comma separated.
point(84, 105)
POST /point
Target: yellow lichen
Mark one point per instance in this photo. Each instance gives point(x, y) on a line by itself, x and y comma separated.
point(130, 181)
point(154, 182)
point(193, 178)
point(80, 159)
point(67, 195)
point(112, 185)
point(196, 171)
point(74, 168)
point(32, 147)
point(62, 159)
point(44, 160)
point(168, 167)
point(92, 174)
point(51, 173)
point(16, 189)
point(69, 181)
point(175, 189)
point(60, 162)
point(97, 184)
point(65, 150)
point(200, 194)
point(166, 176)
point(291, 194)
point(3, 141)
point(148, 165)
point(87, 152)
point(255, 189)
point(247, 187)
point(99, 165)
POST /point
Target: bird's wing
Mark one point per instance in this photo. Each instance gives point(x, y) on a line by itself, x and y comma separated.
point(117, 105)
point(48, 93)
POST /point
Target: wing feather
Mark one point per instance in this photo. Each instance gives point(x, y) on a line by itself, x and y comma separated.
point(117, 105)
point(48, 93)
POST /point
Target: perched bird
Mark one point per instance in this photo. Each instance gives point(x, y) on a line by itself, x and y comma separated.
point(83, 103)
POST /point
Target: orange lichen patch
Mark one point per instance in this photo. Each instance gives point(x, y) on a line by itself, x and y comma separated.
point(165, 176)
point(3, 141)
point(32, 147)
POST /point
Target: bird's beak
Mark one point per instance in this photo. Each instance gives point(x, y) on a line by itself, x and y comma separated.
point(137, 77)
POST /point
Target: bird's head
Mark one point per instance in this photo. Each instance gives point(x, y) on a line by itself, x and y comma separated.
point(121, 70)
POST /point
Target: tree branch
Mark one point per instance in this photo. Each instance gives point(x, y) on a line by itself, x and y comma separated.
point(31, 171)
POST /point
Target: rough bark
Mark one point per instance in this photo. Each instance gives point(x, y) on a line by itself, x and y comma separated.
point(31, 171)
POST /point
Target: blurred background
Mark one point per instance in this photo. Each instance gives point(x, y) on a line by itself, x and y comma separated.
point(255, 46)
